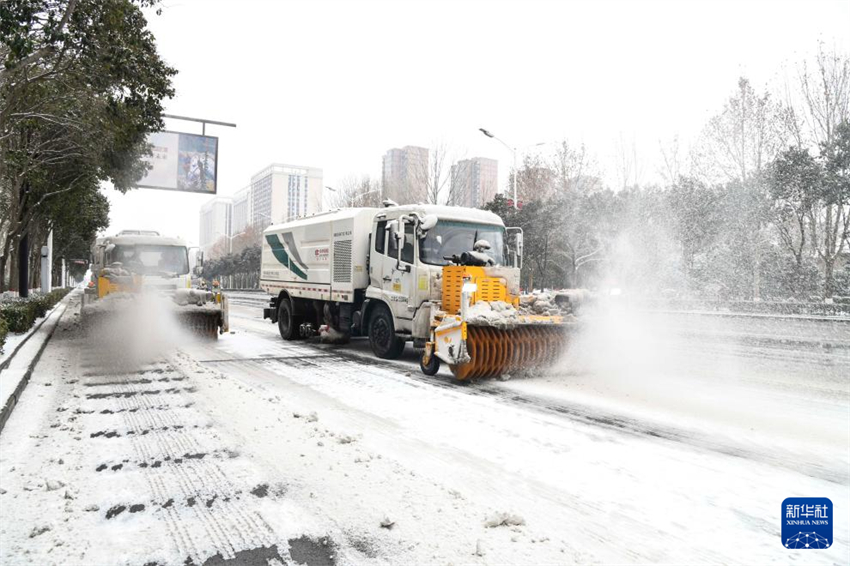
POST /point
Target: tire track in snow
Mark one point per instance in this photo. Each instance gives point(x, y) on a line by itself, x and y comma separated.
point(193, 486)
point(213, 515)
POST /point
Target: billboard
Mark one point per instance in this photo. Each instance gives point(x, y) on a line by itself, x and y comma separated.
point(182, 162)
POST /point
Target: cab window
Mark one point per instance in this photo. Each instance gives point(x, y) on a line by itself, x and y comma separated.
point(380, 236)
point(407, 248)
point(392, 245)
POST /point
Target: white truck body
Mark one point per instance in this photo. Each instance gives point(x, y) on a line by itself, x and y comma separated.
point(321, 257)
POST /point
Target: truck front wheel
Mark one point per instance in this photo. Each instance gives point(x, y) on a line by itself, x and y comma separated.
point(385, 344)
point(286, 322)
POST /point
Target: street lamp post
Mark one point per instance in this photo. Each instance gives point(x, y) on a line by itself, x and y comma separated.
point(265, 216)
point(331, 189)
point(513, 150)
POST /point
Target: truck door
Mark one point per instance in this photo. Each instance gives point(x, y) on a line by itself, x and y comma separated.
point(398, 269)
point(378, 254)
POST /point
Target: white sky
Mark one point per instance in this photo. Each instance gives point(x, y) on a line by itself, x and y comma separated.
point(334, 84)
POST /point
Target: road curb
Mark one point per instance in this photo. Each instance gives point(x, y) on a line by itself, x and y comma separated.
point(29, 335)
point(12, 401)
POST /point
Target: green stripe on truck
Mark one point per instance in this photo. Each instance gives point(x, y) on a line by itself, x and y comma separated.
point(280, 255)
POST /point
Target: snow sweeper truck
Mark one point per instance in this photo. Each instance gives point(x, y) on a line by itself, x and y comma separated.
point(445, 278)
point(134, 262)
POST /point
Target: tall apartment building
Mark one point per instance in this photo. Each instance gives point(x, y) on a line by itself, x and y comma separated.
point(404, 174)
point(474, 182)
point(241, 211)
point(214, 223)
point(284, 192)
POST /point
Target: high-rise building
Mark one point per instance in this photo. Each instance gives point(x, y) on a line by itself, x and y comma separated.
point(285, 192)
point(404, 174)
point(214, 222)
point(474, 182)
point(241, 211)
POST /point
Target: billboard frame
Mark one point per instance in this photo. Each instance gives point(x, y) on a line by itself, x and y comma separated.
point(215, 192)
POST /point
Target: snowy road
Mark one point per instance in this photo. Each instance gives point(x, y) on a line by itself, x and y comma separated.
point(657, 439)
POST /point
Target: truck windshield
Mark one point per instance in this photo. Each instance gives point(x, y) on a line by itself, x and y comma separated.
point(152, 260)
point(450, 237)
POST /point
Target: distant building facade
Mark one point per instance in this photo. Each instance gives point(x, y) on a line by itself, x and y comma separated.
point(241, 211)
point(215, 223)
point(404, 174)
point(474, 182)
point(284, 192)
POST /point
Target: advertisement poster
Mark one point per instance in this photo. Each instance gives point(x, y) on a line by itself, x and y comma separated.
point(182, 162)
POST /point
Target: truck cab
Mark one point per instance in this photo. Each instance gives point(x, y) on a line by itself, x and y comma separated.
point(410, 246)
point(154, 262)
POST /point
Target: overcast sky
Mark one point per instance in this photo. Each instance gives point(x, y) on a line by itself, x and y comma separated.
point(335, 84)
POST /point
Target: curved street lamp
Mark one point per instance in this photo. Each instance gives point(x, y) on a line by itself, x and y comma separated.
point(513, 150)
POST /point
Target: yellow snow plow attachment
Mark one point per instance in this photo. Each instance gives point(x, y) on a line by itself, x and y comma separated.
point(483, 329)
point(496, 351)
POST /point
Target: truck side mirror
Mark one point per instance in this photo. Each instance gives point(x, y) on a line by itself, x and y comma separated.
point(403, 226)
point(515, 235)
point(199, 263)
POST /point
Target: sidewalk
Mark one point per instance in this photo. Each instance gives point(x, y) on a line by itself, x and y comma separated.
point(21, 356)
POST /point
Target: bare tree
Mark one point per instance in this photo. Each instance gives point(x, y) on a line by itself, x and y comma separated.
point(536, 179)
point(826, 95)
point(437, 174)
point(219, 249)
point(628, 167)
point(671, 157)
point(356, 191)
point(251, 236)
point(574, 169)
point(742, 139)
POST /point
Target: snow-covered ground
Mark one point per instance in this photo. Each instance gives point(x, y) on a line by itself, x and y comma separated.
point(655, 440)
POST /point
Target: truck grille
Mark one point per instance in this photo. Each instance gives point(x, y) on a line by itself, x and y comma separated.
point(342, 261)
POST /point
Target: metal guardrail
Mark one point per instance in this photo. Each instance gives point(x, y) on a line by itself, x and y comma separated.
point(840, 319)
point(247, 298)
point(745, 307)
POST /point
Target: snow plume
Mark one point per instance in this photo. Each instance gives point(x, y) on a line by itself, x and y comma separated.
point(643, 259)
point(133, 329)
point(675, 365)
point(627, 352)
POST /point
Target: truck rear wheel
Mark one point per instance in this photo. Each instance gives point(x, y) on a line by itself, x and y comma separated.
point(385, 344)
point(287, 324)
